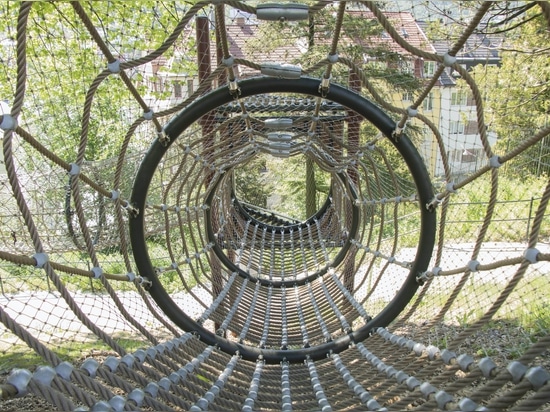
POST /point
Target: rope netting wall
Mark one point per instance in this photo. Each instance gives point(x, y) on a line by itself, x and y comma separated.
point(244, 205)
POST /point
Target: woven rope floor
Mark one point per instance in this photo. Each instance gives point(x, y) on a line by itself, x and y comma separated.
point(256, 206)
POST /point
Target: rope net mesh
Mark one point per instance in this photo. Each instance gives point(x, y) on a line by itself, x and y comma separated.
point(247, 205)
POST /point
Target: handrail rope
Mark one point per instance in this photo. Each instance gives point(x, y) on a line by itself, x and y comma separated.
point(248, 63)
point(32, 261)
point(378, 254)
point(317, 66)
point(337, 31)
point(7, 143)
point(525, 144)
point(21, 50)
point(387, 200)
point(478, 268)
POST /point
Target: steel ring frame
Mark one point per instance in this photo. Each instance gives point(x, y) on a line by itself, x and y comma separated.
point(306, 86)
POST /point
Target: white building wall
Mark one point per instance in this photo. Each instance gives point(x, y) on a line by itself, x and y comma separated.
point(460, 134)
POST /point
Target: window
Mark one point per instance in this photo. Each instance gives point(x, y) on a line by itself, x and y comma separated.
point(471, 127)
point(456, 127)
point(407, 97)
point(406, 66)
point(459, 98)
point(428, 103)
point(158, 85)
point(177, 89)
point(429, 69)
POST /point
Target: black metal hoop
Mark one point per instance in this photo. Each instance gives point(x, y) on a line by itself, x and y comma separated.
point(310, 87)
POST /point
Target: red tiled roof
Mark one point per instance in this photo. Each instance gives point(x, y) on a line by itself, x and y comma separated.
point(244, 42)
point(405, 25)
point(243, 39)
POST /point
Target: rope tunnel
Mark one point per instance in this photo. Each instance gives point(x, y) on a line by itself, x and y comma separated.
point(258, 207)
point(299, 275)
